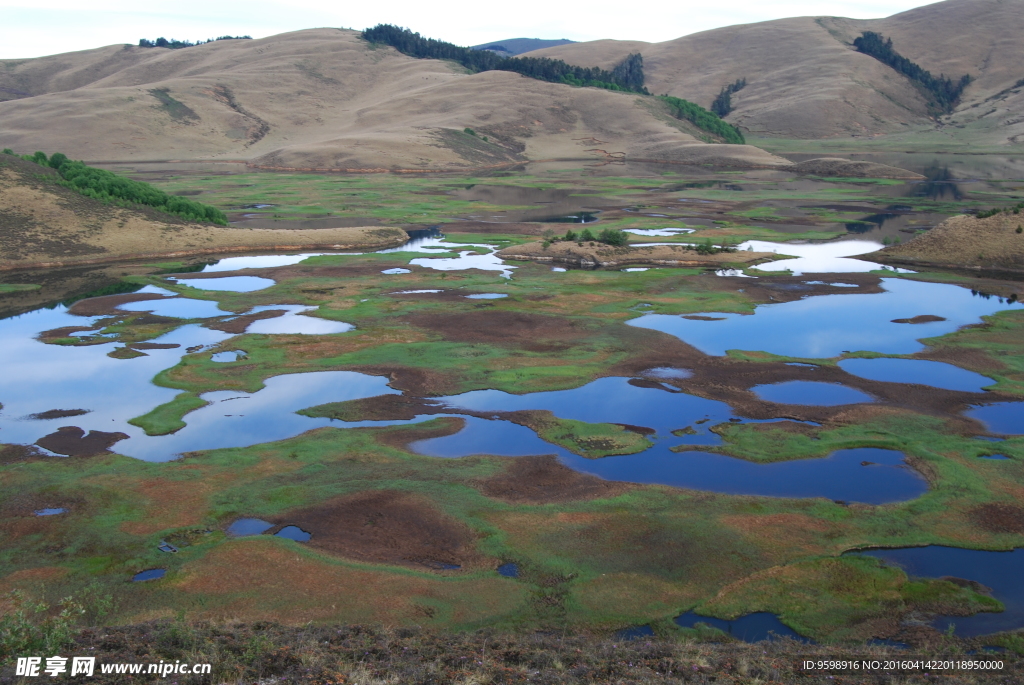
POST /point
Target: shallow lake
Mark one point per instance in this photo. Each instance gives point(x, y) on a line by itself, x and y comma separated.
point(919, 371)
point(1003, 417)
point(1000, 571)
point(827, 325)
point(818, 258)
point(840, 476)
point(750, 628)
point(235, 284)
point(810, 393)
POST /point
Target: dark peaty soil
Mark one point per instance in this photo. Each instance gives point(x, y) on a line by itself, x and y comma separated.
point(999, 518)
point(388, 526)
point(73, 442)
point(542, 479)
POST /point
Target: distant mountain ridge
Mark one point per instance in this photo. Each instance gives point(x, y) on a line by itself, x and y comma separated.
point(328, 99)
point(805, 78)
point(517, 46)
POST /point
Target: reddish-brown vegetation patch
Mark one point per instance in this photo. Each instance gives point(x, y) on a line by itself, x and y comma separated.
point(999, 518)
point(238, 324)
point(168, 503)
point(58, 413)
point(153, 346)
point(542, 479)
point(402, 436)
point(920, 318)
point(67, 332)
point(108, 304)
point(413, 380)
point(73, 442)
point(387, 526)
point(10, 454)
point(380, 408)
point(499, 327)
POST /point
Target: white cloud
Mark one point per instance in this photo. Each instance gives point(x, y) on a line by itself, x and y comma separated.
point(52, 26)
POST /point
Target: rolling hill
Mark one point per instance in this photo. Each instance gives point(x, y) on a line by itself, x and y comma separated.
point(45, 224)
point(326, 99)
point(805, 79)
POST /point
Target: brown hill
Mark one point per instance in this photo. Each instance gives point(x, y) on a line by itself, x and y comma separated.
point(805, 80)
point(324, 98)
point(43, 224)
point(963, 242)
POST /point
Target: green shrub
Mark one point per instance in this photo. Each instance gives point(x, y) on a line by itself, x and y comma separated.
point(108, 187)
point(704, 120)
point(29, 628)
point(614, 237)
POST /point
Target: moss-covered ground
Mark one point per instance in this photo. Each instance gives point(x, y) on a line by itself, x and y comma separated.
point(629, 555)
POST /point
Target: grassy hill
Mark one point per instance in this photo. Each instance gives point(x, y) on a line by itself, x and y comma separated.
point(805, 79)
point(43, 223)
point(325, 98)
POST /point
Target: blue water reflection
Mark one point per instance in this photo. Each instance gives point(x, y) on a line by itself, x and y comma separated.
point(920, 371)
point(149, 574)
point(840, 476)
point(827, 325)
point(1001, 571)
point(750, 628)
point(246, 527)
point(294, 533)
point(235, 284)
point(1003, 417)
point(237, 419)
point(811, 393)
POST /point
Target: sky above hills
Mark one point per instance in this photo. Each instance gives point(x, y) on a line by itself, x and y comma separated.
point(31, 28)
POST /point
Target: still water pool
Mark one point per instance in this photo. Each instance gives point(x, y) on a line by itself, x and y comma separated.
point(1000, 571)
point(827, 325)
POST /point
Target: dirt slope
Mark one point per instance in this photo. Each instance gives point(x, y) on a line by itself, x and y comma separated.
point(805, 80)
point(965, 242)
point(44, 224)
point(323, 98)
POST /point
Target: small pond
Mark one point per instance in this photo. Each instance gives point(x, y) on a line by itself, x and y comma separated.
point(235, 284)
point(818, 258)
point(149, 574)
point(750, 628)
point(229, 356)
point(509, 570)
point(245, 527)
point(295, 322)
point(258, 262)
point(1003, 417)
point(49, 512)
point(811, 393)
point(658, 232)
point(293, 533)
point(920, 371)
point(1000, 571)
point(177, 307)
point(486, 296)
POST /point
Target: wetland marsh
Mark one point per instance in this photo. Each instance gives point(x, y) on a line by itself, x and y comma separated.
point(432, 435)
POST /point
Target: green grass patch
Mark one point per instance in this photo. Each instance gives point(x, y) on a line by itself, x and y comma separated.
point(17, 287)
point(167, 418)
